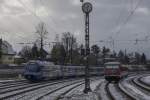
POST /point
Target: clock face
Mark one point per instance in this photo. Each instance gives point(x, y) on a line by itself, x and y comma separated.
point(87, 7)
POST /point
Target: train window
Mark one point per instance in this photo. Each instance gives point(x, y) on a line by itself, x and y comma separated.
point(112, 66)
point(33, 67)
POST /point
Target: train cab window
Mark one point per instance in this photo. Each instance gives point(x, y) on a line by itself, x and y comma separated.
point(33, 67)
point(112, 66)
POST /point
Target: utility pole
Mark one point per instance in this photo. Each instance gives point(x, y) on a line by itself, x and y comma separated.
point(41, 49)
point(71, 51)
point(87, 8)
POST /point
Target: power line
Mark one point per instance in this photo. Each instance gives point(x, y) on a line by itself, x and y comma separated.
point(128, 17)
point(112, 41)
point(52, 19)
point(119, 17)
point(26, 8)
point(41, 1)
point(33, 13)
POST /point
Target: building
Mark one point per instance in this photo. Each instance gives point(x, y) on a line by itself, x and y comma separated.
point(7, 52)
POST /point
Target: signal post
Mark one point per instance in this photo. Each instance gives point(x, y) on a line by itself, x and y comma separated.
point(87, 8)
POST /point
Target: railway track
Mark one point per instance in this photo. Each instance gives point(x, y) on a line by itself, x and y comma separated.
point(4, 86)
point(77, 91)
point(58, 93)
point(133, 89)
point(115, 93)
point(126, 89)
point(142, 81)
point(123, 89)
point(137, 82)
point(23, 90)
point(40, 91)
point(11, 81)
point(62, 95)
point(130, 88)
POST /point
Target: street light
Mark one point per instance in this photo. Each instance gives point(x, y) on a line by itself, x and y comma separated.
point(87, 8)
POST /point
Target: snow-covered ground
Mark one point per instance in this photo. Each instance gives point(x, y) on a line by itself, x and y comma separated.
point(73, 90)
point(77, 93)
point(117, 95)
point(59, 94)
point(146, 80)
point(36, 91)
point(134, 91)
point(101, 91)
point(10, 80)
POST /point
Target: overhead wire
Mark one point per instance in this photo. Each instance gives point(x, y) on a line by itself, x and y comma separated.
point(128, 17)
point(51, 17)
point(112, 40)
point(119, 17)
point(41, 1)
point(53, 21)
point(121, 12)
point(33, 13)
point(27, 9)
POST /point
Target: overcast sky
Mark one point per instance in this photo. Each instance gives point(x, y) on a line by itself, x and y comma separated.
point(110, 19)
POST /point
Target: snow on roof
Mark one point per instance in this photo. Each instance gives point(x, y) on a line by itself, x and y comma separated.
point(112, 63)
point(17, 56)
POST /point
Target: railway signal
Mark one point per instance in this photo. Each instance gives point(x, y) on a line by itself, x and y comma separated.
point(87, 8)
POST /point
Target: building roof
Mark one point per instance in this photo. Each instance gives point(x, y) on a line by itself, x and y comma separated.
point(17, 56)
point(112, 63)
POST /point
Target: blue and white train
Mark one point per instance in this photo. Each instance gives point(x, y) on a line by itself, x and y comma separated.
point(40, 70)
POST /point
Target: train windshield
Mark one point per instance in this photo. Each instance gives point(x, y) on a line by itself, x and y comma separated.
point(33, 67)
point(112, 66)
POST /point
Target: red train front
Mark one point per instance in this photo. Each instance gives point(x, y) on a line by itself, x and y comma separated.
point(113, 71)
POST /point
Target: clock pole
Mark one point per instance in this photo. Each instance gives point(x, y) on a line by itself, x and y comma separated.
point(87, 8)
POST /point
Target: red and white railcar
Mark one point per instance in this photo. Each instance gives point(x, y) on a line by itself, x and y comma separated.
point(114, 71)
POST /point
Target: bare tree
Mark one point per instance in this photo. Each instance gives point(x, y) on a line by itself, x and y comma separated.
point(70, 44)
point(26, 52)
point(42, 32)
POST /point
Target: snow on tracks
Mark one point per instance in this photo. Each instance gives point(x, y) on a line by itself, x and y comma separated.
point(126, 89)
point(132, 90)
point(77, 93)
point(145, 80)
point(137, 81)
point(116, 93)
point(29, 90)
point(129, 88)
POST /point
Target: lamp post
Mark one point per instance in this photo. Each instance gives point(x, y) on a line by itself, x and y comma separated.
point(87, 8)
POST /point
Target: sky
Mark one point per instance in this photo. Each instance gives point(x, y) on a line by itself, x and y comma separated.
point(123, 21)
